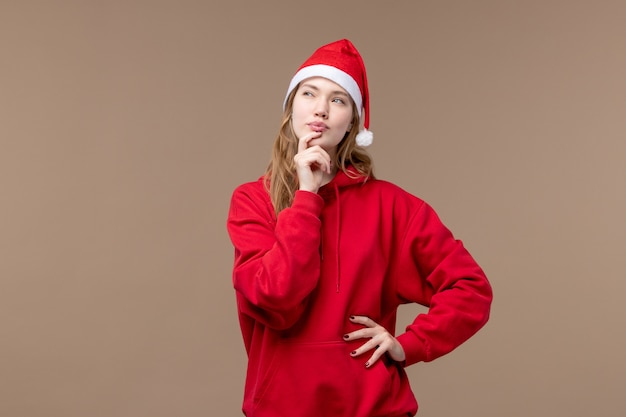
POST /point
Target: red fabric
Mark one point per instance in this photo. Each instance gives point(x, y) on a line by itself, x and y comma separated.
point(356, 248)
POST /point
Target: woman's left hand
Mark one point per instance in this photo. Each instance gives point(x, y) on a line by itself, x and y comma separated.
point(380, 340)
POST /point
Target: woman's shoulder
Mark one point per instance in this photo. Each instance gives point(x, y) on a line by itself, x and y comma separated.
point(251, 199)
point(403, 204)
point(392, 190)
point(255, 190)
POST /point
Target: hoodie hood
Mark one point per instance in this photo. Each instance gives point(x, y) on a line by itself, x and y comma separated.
point(343, 179)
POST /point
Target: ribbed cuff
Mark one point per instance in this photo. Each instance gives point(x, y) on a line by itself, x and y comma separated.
point(415, 349)
point(308, 201)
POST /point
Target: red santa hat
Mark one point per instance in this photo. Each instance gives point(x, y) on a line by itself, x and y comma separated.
point(341, 63)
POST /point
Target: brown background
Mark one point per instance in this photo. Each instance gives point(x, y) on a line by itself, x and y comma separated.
point(126, 125)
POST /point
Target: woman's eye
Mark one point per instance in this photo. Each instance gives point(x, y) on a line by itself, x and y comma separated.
point(307, 93)
point(339, 101)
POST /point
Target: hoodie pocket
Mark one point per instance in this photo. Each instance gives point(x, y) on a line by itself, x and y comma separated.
point(322, 379)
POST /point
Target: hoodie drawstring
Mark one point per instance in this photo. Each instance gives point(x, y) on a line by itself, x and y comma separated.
point(331, 190)
point(338, 233)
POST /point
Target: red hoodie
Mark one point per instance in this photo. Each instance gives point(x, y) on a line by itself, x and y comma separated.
point(358, 247)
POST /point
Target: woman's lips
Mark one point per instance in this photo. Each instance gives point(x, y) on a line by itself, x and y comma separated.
point(318, 126)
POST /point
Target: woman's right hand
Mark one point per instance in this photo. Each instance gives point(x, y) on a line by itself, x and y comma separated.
point(311, 163)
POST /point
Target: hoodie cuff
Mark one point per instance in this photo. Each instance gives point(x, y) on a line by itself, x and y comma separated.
point(415, 350)
point(308, 201)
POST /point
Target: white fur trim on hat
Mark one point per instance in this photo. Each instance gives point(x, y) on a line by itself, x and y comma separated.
point(332, 73)
point(364, 138)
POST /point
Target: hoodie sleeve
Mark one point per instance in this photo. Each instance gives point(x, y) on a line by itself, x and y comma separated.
point(437, 271)
point(277, 262)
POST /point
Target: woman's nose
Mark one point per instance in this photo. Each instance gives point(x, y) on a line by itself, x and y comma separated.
point(321, 111)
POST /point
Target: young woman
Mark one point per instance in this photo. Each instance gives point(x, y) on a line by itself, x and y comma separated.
point(324, 255)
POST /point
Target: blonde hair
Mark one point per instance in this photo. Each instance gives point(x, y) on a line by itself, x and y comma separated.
point(281, 180)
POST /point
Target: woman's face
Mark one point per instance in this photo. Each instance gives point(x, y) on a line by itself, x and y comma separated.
point(320, 105)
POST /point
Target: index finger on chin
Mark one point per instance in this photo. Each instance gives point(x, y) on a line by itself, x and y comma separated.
point(303, 142)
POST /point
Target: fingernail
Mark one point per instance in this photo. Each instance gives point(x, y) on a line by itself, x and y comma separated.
point(353, 352)
point(351, 317)
point(367, 364)
point(345, 336)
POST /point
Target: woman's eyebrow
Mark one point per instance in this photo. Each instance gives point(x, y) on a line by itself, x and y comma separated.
point(311, 86)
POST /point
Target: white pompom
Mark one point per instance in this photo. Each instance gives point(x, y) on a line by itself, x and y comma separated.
point(364, 138)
